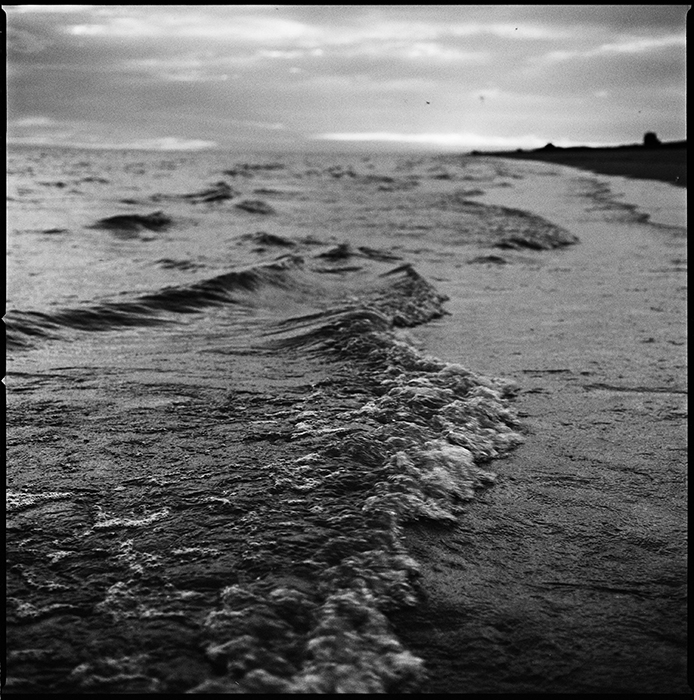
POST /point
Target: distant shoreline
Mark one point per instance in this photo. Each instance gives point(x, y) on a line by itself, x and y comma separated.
point(666, 163)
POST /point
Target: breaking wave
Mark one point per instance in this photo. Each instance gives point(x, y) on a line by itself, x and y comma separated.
point(385, 435)
point(417, 448)
point(415, 445)
point(401, 293)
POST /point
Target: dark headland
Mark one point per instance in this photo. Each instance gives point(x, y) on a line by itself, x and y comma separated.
point(652, 160)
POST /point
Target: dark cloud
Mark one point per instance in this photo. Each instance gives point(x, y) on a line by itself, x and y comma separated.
point(612, 18)
point(648, 71)
point(22, 41)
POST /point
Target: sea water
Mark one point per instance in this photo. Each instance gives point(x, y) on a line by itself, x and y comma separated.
point(287, 285)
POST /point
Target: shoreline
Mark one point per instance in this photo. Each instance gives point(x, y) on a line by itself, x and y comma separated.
point(569, 575)
point(662, 164)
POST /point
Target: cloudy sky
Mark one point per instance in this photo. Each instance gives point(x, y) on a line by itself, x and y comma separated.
point(281, 77)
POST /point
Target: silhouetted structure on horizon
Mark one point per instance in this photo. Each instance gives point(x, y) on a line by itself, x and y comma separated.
point(650, 140)
point(651, 159)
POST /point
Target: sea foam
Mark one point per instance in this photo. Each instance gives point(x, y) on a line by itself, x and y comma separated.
point(413, 451)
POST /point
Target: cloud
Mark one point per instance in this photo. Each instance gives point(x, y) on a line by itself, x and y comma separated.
point(608, 19)
point(263, 25)
point(70, 138)
point(643, 74)
point(47, 132)
point(221, 24)
point(32, 122)
point(419, 74)
point(425, 51)
point(23, 41)
point(642, 45)
point(625, 46)
point(513, 30)
point(49, 9)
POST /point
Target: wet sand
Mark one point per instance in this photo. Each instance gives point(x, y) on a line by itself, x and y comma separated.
point(570, 575)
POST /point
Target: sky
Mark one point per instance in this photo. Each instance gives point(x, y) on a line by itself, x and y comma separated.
point(344, 77)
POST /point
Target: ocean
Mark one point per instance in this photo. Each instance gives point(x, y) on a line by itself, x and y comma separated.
point(221, 415)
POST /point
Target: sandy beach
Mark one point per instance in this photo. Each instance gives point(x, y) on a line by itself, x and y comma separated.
point(665, 164)
point(570, 575)
point(283, 490)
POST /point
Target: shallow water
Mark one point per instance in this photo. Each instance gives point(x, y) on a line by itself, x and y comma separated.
point(78, 232)
point(226, 403)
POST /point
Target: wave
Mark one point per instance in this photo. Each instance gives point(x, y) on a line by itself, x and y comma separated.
point(263, 239)
point(255, 206)
point(395, 436)
point(147, 309)
point(416, 448)
point(401, 294)
point(402, 299)
point(156, 221)
point(217, 192)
